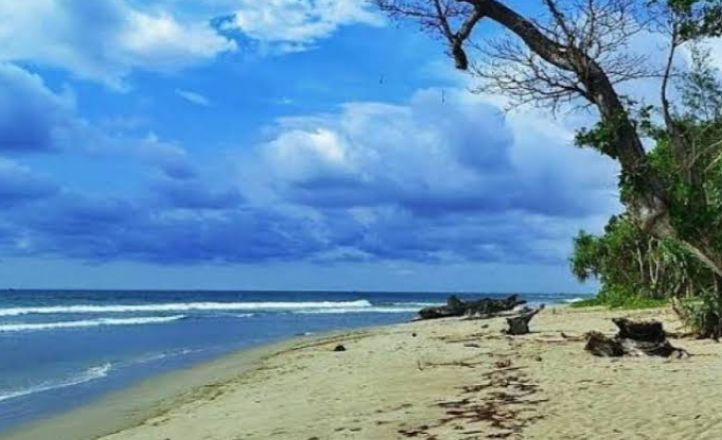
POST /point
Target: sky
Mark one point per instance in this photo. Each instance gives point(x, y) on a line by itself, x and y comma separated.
point(284, 144)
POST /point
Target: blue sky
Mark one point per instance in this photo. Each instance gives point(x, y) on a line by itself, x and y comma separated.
point(235, 144)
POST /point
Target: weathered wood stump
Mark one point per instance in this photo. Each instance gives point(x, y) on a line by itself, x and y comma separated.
point(484, 307)
point(519, 325)
point(634, 338)
point(603, 346)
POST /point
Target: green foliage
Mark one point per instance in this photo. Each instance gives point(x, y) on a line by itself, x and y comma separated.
point(622, 302)
point(630, 263)
point(602, 137)
point(589, 302)
point(702, 91)
point(698, 18)
point(705, 314)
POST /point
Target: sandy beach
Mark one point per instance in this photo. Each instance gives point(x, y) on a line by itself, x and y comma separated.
point(441, 379)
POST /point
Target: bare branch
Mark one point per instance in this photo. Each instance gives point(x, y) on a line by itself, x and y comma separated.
point(678, 138)
point(440, 18)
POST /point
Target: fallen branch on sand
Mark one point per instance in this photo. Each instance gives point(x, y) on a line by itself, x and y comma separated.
point(485, 307)
point(633, 339)
point(423, 365)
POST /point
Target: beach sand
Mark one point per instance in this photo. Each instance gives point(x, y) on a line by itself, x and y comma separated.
point(442, 379)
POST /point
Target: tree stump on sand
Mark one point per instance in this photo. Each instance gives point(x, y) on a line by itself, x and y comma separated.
point(603, 346)
point(519, 325)
point(642, 338)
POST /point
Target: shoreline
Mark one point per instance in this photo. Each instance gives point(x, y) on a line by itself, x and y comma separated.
point(131, 406)
point(449, 378)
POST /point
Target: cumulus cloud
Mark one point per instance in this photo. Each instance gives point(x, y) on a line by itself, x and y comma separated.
point(103, 228)
point(196, 194)
point(434, 180)
point(168, 157)
point(32, 117)
point(431, 157)
point(18, 185)
point(292, 26)
point(104, 40)
point(429, 180)
point(36, 119)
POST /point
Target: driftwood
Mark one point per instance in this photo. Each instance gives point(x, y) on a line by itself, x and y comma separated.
point(519, 325)
point(633, 339)
point(485, 307)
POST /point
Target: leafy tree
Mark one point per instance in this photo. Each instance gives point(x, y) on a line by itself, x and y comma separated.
point(577, 53)
point(630, 264)
point(698, 18)
point(702, 93)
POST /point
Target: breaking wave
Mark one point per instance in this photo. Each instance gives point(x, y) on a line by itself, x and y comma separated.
point(141, 320)
point(182, 307)
point(342, 310)
point(93, 373)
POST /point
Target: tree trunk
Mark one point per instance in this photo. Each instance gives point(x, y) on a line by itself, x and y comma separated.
point(519, 325)
point(648, 202)
point(633, 339)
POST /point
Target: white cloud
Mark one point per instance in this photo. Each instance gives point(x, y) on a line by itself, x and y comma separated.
point(449, 179)
point(294, 25)
point(20, 184)
point(193, 97)
point(461, 155)
point(32, 117)
point(35, 118)
point(104, 40)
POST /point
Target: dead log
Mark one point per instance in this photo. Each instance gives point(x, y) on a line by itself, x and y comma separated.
point(454, 307)
point(519, 325)
point(485, 307)
point(603, 346)
point(634, 338)
point(488, 307)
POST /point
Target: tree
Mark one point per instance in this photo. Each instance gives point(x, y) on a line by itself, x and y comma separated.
point(578, 52)
point(632, 264)
point(629, 262)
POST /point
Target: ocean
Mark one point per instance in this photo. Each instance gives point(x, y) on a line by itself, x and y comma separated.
point(61, 349)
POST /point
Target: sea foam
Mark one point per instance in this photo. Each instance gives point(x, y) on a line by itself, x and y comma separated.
point(181, 307)
point(93, 373)
point(141, 320)
point(344, 310)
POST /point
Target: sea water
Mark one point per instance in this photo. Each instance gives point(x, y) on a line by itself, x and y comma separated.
point(61, 349)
